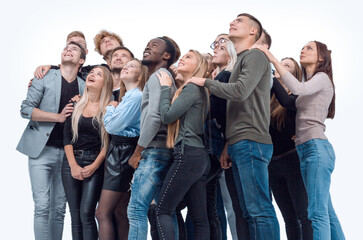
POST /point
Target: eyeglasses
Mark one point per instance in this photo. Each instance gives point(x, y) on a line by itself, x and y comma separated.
point(220, 41)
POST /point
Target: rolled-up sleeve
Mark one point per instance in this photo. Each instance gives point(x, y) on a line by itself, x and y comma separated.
point(33, 98)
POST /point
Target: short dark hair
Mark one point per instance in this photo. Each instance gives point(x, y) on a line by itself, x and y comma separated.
point(121, 48)
point(256, 21)
point(170, 48)
point(267, 39)
point(83, 51)
point(177, 49)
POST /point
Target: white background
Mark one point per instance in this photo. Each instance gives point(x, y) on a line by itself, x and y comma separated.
point(34, 33)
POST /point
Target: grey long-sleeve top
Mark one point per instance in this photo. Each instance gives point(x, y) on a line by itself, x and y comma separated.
point(312, 104)
point(248, 98)
point(191, 108)
point(152, 131)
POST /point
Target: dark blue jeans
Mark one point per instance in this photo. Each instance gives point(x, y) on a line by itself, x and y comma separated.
point(289, 192)
point(186, 178)
point(250, 165)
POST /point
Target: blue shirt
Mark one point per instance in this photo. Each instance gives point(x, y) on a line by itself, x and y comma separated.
point(124, 120)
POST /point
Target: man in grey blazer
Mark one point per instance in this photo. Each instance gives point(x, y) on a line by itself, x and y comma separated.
point(47, 105)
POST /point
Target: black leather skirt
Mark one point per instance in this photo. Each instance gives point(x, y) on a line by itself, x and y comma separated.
point(118, 173)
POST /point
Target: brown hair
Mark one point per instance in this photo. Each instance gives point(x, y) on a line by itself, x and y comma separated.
point(76, 34)
point(324, 66)
point(143, 77)
point(83, 51)
point(255, 23)
point(121, 48)
point(267, 39)
point(278, 112)
point(200, 71)
point(98, 38)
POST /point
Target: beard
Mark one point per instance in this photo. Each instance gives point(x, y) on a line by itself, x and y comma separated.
point(116, 70)
point(146, 62)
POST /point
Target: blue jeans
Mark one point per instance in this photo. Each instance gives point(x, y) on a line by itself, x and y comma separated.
point(48, 193)
point(317, 160)
point(145, 187)
point(250, 168)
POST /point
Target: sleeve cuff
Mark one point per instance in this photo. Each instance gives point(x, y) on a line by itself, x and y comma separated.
point(208, 83)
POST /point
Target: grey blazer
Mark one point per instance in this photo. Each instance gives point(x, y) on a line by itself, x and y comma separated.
point(45, 95)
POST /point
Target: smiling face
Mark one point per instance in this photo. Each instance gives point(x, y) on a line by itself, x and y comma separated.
point(95, 79)
point(71, 54)
point(131, 71)
point(119, 59)
point(309, 54)
point(154, 51)
point(187, 64)
point(108, 43)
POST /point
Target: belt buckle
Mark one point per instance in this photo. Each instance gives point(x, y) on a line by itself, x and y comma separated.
point(79, 152)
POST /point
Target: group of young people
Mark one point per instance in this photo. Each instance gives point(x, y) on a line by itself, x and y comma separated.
point(133, 140)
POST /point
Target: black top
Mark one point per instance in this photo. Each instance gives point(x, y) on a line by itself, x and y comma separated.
point(68, 91)
point(286, 100)
point(88, 134)
point(281, 140)
point(116, 94)
point(218, 105)
point(83, 71)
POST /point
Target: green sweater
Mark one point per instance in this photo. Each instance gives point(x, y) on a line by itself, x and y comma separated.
point(248, 98)
point(191, 108)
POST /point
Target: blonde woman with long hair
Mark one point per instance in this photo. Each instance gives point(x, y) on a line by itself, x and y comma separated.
point(85, 144)
point(122, 122)
point(186, 179)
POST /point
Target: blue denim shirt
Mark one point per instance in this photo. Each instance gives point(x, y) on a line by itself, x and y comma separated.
point(124, 120)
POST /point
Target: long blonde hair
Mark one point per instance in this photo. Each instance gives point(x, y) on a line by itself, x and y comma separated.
point(232, 54)
point(141, 80)
point(200, 71)
point(105, 97)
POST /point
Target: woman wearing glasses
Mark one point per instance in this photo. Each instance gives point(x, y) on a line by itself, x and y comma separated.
point(225, 58)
